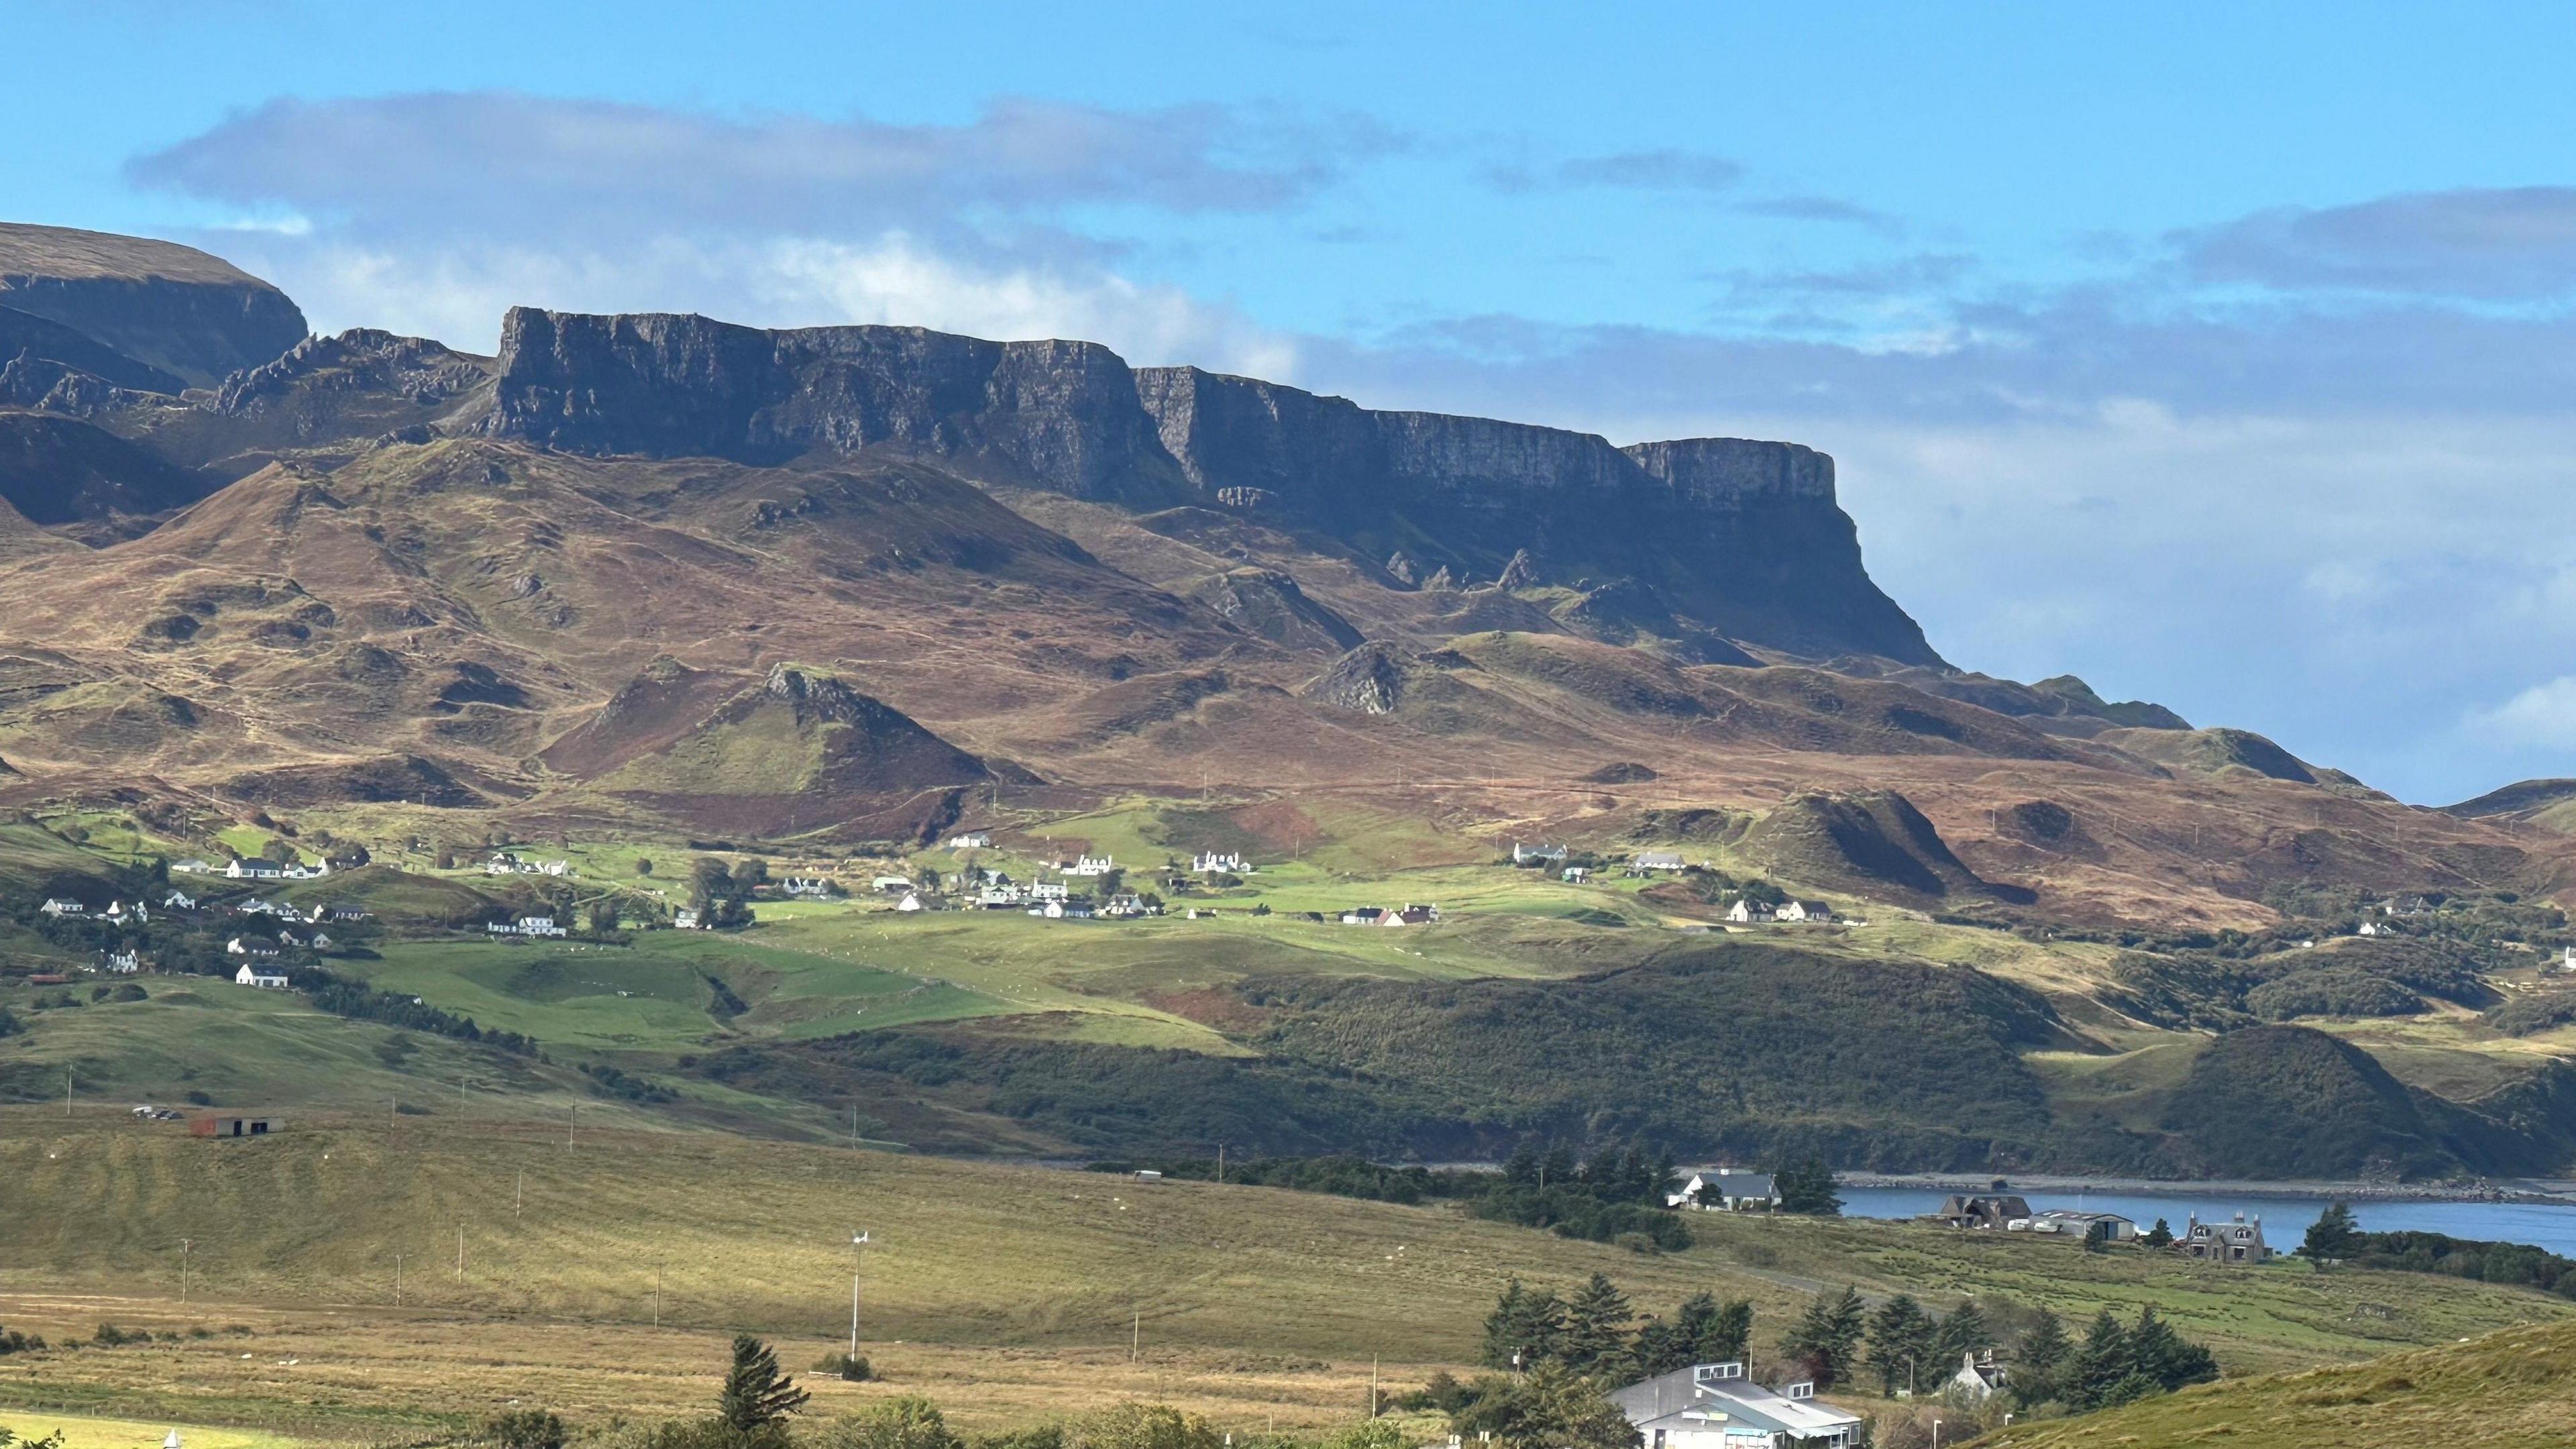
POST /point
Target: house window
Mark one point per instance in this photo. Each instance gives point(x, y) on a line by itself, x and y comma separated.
point(2240, 1255)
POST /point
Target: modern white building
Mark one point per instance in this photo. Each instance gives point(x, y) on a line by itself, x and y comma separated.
point(1714, 1406)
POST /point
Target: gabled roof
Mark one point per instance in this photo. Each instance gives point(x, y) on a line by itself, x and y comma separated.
point(1687, 1398)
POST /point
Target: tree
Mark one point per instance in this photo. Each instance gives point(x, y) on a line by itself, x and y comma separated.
point(1726, 1336)
point(1596, 1326)
point(929, 878)
point(2159, 1236)
point(2043, 1355)
point(1525, 1324)
point(749, 873)
point(2335, 1234)
point(1806, 1187)
point(1550, 1409)
point(2097, 1236)
point(2164, 1356)
point(756, 1395)
point(603, 917)
point(643, 865)
point(1142, 1426)
point(1827, 1336)
point(1900, 1345)
point(909, 1422)
point(522, 1429)
point(445, 859)
point(2100, 1364)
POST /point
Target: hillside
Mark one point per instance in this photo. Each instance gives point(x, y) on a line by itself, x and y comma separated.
point(2513, 1388)
point(162, 305)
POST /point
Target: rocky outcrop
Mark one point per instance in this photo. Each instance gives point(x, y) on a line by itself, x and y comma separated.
point(1269, 603)
point(1369, 679)
point(320, 375)
point(167, 307)
point(1742, 539)
point(1062, 415)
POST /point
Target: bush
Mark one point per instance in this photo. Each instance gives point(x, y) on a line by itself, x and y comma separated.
point(905, 1423)
point(521, 1429)
point(1133, 1425)
point(197, 1098)
point(850, 1368)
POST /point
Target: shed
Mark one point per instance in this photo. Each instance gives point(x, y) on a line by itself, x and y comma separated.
point(235, 1124)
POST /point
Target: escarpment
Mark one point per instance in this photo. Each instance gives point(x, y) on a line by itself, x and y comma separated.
point(1732, 539)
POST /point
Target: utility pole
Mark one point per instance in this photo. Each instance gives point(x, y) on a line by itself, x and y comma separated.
point(67, 1091)
point(398, 1279)
point(183, 1270)
point(858, 1260)
point(1220, 1162)
point(519, 1195)
point(657, 1293)
point(460, 1252)
point(1135, 1334)
point(1372, 1386)
point(571, 1114)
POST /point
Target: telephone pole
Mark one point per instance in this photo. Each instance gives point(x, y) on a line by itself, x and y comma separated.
point(858, 1260)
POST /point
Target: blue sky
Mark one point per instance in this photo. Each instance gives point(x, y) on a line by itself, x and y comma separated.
point(2220, 357)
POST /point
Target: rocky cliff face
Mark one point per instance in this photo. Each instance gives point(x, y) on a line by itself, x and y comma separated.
point(1730, 537)
point(164, 306)
point(1063, 414)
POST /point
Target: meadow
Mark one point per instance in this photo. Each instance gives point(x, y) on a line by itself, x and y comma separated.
point(597, 1275)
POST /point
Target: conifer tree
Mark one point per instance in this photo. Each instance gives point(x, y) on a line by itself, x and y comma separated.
point(1899, 1343)
point(756, 1395)
point(1596, 1327)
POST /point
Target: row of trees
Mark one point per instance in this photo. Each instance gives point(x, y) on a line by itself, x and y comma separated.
point(1597, 1332)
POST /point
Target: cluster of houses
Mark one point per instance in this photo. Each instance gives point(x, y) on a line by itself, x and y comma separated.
point(241, 868)
point(1404, 915)
point(251, 949)
point(1755, 913)
point(2237, 1241)
point(524, 928)
point(1644, 862)
point(505, 863)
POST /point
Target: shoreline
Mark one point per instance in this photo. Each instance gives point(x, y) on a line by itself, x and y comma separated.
point(2553, 1194)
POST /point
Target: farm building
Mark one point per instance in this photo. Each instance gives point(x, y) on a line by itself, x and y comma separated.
point(234, 1124)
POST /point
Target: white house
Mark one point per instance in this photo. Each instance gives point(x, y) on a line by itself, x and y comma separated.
point(1979, 1378)
point(240, 869)
point(1363, 915)
point(1537, 854)
point(1723, 1189)
point(910, 902)
point(193, 867)
point(1574, 874)
point(1803, 911)
point(1220, 862)
point(971, 840)
point(1071, 909)
point(1715, 1406)
point(1411, 915)
point(891, 883)
point(1748, 913)
point(59, 907)
point(267, 978)
point(1049, 890)
point(1091, 865)
point(1000, 897)
point(685, 918)
point(525, 926)
point(121, 963)
point(1656, 860)
point(179, 901)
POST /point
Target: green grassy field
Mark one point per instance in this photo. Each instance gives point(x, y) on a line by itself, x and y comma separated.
point(2513, 1390)
point(975, 1273)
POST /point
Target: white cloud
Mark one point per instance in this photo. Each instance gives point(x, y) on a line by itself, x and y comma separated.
point(2543, 716)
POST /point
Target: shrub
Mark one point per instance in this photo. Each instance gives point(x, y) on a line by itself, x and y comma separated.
point(1133, 1425)
point(910, 1422)
point(851, 1368)
point(2331, 991)
point(521, 1429)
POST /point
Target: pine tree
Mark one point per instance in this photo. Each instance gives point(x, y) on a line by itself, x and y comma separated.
point(1727, 1335)
point(1658, 1347)
point(1596, 1327)
point(2100, 1365)
point(1524, 1323)
point(756, 1395)
point(2043, 1356)
point(1963, 1332)
point(2159, 1236)
point(1807, 1187)
point(1898, 1346)
point(1827, 1336)
point(2335, 1234)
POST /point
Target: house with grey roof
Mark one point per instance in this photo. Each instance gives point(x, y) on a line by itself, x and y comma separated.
point(1724, 1189)
point(2239, 1241)
point(1715, 1406)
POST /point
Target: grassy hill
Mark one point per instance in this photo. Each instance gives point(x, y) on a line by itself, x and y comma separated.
point(2507, 1390)
point(965, 1253)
